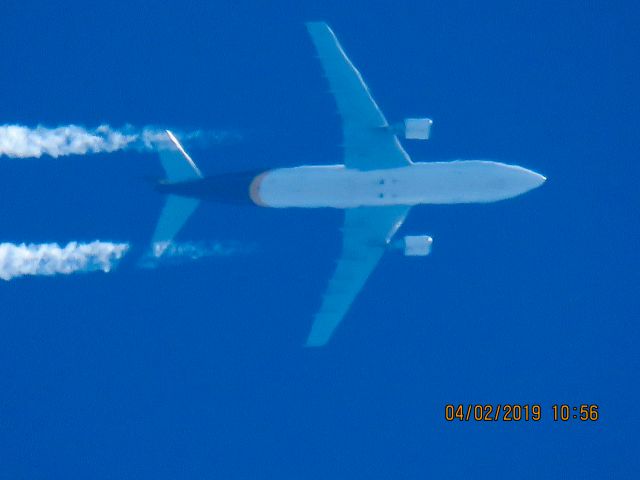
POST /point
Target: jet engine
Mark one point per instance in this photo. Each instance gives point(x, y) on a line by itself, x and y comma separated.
point(417, 128)
point(417, 245)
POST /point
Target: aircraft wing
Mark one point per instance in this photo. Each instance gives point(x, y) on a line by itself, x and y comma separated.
point(369, 143)
point(366, 233)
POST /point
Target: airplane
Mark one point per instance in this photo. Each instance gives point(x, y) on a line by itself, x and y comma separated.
point(376, 185)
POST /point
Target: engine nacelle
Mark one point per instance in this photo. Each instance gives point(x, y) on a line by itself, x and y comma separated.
point(417, 128)
point(417, 245)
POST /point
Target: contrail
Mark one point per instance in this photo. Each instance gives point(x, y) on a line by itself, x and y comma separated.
point(52, 259)
point(19, 141)
point(179, 252)
point(17, 260)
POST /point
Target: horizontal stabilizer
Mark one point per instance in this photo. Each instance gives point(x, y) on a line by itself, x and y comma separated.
point(174, 215)
point(179, 167)
point(177, 163)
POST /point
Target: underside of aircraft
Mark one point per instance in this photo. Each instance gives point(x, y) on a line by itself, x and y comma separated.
point(376, 185)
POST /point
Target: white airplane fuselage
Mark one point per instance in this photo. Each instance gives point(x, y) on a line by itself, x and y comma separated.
point(378, 172)
point(470, 181)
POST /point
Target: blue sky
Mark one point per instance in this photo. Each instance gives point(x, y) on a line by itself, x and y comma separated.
point(197, 370)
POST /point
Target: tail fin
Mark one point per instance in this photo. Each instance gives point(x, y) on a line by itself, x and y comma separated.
point(179, 167)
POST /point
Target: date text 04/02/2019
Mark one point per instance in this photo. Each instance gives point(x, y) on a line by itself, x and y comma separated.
point(514, 412)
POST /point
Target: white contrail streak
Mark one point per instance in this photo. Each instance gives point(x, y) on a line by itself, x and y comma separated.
point(52, 259)
point(19, 141)
point(193, 250)
point(179, 252)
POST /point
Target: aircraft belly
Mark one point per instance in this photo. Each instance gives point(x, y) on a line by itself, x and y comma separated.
point(335, 186)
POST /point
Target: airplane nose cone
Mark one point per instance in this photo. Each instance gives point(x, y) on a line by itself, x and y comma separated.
point(537, 179)
point(528, 179)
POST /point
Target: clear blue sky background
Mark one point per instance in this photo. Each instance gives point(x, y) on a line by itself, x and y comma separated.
point(198, 370)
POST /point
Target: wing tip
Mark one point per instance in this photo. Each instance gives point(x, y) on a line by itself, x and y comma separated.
point(320, 333)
